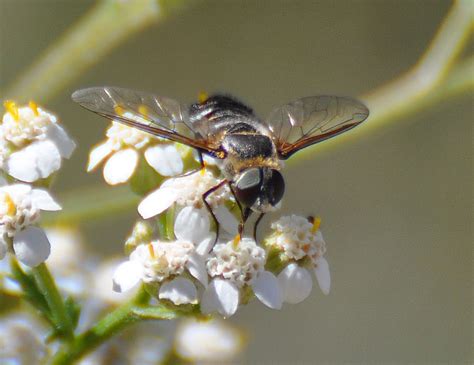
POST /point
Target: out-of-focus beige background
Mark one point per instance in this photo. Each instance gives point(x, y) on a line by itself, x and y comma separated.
point(396, 206)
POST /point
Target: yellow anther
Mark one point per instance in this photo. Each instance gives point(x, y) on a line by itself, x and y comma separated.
point(33, 106)
point(151, 250)
point(119, 110)
point(202, 97)
point(11, 107)
point(203, 169)
point(9, 204)
point(316, 224)
point(143, 110)
point(236, 241)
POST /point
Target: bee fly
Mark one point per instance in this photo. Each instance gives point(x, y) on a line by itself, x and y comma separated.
point(248, 150)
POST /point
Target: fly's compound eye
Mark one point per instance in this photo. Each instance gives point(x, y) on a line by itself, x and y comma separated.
point(248, 186)
point(276, 187)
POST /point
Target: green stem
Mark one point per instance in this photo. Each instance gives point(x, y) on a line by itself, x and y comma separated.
point(127, 314)
point(48, 288)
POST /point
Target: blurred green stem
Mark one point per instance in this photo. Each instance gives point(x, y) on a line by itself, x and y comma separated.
point(127, 314)
point(57, 308)
point(105, 26)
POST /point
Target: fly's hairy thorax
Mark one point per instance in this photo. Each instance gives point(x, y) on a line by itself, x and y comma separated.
point(234, 127)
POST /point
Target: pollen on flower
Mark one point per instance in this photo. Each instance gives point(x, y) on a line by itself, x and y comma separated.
point(193, 186)
point(240, 264)
point(161, 260)
point(11, 108)
point(120, 136)
point(16, 212)
point(297, 237)
point(24, 124)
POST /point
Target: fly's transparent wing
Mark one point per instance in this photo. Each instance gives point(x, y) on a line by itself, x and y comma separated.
point(313, 119)
point(160, 116)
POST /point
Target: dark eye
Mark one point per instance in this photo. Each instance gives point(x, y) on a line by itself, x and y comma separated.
point(276, 187)
point(248, 187)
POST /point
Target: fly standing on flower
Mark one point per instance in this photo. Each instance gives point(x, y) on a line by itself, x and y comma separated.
point(248, 150)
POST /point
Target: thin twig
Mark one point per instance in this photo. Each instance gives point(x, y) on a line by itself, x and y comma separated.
point(108, 24)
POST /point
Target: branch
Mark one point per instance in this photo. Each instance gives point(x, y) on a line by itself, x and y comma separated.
point(105, 26)
point(431, 79)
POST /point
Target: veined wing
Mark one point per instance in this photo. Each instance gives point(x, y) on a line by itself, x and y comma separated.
point(157, 115)
point(311, 120)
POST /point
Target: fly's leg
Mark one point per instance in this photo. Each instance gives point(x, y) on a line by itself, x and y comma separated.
point(256, 224)
point(201, 162)
point(244, 214)
point(208, 206)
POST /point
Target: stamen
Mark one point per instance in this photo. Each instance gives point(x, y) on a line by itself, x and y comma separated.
point(316, 224)
point(143, 110)
point(33, 106)
point(11, 107)
point(202, 97)
point(203, 169)
point(151, 250)
point(8, 201)
point(236, 241)
point(119, 110)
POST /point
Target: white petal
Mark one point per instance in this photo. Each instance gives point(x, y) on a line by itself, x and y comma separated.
point(157, 202)
point(48, 158)
point(206, 245)
point(197, 267)
point(38, 160)
point(296, 283)
point(97, 155)
point(221, 296)
point(58, 135)
point(323, 275)
point(120, 166)
point(31, 246)
point(227, 220)
point(165, 159)
point(267, 290)
point(126, 276)
point(22, 166)
point(44, 200)
point(179, 291)
point(16, 189)
point(192, 225)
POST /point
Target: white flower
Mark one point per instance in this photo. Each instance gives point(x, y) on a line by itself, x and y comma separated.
point(233, 267)
point(122, 151)
point(101, 287)
point(167, 263)
point(20, 207)
point(209, 342)
point(33, 143)
point(302, 243)
point(185, 191)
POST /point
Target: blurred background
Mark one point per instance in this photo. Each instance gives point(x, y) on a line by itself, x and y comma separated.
point(396, 204)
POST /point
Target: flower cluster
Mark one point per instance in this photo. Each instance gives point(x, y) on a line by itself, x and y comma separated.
point(221, 275)
point(32, 143)
point(32, 146)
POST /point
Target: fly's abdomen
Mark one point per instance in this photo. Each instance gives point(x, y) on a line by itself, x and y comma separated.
point(219, 113)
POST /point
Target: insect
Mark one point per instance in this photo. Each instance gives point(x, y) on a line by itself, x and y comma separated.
point(248, 150)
